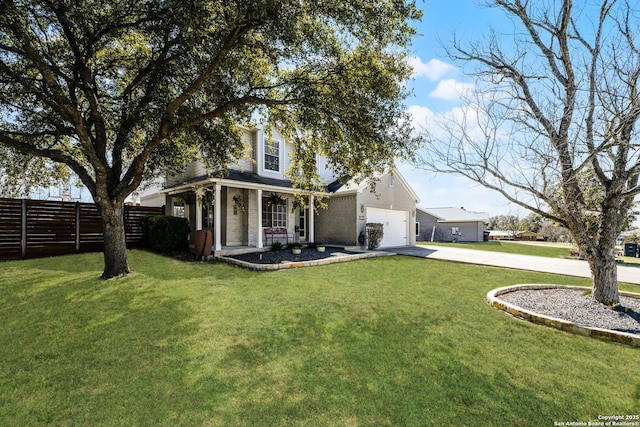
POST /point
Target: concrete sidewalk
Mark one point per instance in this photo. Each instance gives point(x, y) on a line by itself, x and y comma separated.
point(567, 267)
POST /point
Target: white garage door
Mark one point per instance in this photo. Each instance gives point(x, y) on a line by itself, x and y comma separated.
point(395, 225)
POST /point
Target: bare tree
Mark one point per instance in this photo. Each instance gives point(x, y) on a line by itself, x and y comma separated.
point(551, 125)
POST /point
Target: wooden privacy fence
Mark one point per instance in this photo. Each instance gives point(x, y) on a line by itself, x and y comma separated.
point(40, 228)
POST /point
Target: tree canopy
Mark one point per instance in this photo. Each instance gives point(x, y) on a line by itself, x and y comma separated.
point(122, 90)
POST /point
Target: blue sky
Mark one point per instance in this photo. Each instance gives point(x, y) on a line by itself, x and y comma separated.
point(436, 82)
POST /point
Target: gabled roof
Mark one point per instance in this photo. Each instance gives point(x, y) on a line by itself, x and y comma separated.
point(349, 185)
point(455, 215)
point(338, 184)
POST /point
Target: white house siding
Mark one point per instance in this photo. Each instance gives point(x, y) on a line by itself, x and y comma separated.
point(153, 199)
point(246, 163)
point(324, 170)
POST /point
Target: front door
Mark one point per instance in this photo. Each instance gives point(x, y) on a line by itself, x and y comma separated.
point(302, 225)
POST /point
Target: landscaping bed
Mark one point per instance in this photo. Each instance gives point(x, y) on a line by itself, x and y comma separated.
point(277, 257)
point(572, 309)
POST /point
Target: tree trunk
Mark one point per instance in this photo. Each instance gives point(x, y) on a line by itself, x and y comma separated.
point(604, 274)
point(115, 244)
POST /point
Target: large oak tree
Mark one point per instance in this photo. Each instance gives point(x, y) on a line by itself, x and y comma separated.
point(121, 90)
point(552, 125)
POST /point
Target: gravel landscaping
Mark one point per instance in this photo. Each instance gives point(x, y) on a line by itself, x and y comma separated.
point(574, 306)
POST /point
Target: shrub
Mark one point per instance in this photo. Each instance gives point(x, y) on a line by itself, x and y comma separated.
point(375, 232)
point(276, 246)
point(166, 234)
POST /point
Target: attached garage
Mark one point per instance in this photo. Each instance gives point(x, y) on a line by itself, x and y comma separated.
point(395, 224)
point(351, 205)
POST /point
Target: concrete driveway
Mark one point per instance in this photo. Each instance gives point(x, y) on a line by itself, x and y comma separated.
point(567, 267)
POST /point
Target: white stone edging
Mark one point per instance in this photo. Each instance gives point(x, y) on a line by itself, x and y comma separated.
point(297, 264)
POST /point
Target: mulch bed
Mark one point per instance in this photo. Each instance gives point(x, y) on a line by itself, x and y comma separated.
point(276, 257)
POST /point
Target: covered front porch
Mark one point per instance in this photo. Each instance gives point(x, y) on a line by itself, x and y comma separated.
point(238, 211)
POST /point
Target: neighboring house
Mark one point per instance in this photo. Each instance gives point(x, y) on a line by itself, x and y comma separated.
point(509, 235)
point(501, 235)
point(254, 198)
point(526, 235)
point(450, 225)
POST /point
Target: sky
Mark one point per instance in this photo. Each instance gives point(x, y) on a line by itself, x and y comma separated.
point(436, 82)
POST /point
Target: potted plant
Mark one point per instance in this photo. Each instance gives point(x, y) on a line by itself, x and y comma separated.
point(320, 247)
point(238, 204)
point(275, 199)
point(296, 248)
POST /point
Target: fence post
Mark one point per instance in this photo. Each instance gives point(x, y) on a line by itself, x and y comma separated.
point(77, 227)
point(23, 229)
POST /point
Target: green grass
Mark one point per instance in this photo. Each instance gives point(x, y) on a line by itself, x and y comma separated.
point(386, 341)
point(630, 261)
point(509, 247)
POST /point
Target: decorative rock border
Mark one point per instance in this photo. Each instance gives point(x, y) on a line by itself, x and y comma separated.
point(334, 258)
point(564, 325)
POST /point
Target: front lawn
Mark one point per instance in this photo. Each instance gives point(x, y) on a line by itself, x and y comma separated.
point(385, 341)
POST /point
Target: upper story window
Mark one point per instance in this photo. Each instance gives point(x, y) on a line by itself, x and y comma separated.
point(272, 155)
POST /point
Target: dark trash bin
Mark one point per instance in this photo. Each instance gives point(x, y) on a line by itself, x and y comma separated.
point(631, 249)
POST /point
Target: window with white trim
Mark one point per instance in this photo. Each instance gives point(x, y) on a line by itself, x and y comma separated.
point(273, 215)
point(207, 217)
point(272, 155)
point(178, 209)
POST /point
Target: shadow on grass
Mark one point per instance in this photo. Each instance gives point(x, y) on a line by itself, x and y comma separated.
point(93, 353)
point(389, 371)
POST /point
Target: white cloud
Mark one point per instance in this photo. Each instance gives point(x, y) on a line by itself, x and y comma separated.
point(433, 70)
point(441, 192)
point(419, 116)
point(452, 90)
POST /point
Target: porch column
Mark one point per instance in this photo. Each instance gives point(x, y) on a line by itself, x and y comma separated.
point(198, 210)
point(311, 232)
point(259, 210)
point(217, 221)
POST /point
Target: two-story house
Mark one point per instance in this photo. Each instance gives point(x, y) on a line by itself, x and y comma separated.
point(254, 197)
